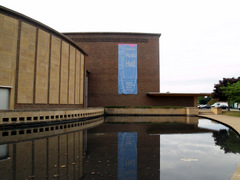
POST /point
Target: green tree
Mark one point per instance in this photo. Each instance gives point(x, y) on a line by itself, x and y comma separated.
point(204, 100)
point(232, 92)
point(218, 91)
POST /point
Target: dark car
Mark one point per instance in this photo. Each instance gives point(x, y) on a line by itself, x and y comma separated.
point(206, 107)
point(223, 107)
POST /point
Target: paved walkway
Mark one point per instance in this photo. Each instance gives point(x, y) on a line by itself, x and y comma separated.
point(231, 121)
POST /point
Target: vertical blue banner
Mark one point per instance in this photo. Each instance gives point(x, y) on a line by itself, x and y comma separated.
point(127, 68)
point(127, 155)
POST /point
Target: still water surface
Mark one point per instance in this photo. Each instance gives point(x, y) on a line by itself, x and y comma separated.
point(167, 148)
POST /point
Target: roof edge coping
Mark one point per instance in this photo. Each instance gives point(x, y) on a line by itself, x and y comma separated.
point(23, 17)
point(112, 33)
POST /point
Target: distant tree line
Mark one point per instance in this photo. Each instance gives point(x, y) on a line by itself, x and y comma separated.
point(227, 90)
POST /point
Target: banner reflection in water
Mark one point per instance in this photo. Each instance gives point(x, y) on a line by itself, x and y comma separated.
point(127, 155)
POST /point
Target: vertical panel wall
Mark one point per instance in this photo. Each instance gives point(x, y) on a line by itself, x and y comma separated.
point(8, 49)
point(54, 70)
point(78, 74)
point(64, 73)
point(42, 67)
point(71, 76)
point(82, 79)
point(26, 64)
point(8, 53)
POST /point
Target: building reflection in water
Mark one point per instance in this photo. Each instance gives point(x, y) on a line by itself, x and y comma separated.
point(139, 158)
point(43, 153)
point(105, 161)
point(116, 149)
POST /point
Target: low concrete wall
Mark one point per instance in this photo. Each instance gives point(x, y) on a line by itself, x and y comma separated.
point(36, 116)
point(152, 119)
point(30, 133)
point(216, 110)
point(151, 111)
point(191, 111)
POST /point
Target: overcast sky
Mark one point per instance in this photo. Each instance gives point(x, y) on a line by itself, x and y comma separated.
point(199, 43)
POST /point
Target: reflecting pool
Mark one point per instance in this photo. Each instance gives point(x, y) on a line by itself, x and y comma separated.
point(134, 147)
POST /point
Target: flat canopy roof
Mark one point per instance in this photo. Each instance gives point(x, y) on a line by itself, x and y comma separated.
point(178, 94)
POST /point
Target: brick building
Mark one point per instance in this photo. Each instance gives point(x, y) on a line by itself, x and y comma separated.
point(102, 63)
point(42, 68)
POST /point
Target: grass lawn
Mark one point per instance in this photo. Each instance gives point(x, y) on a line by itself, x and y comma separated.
point(232, 113)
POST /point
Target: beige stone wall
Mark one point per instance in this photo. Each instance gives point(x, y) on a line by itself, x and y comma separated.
point(72, 64)
point(26, 63)
point(41, 90)
point(216, 110)
point(82, 79)
point(78, 74)
point(8, 53)
point(64, 73)
point(188, 111)
point(144, 111)
point(8, 49)
point(54, 70)
point(38, 66)
point(31, 116)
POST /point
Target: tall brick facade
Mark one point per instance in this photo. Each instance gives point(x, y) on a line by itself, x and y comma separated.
point(102, 65)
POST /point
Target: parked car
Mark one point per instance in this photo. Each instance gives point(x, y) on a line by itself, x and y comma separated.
point(224, 107)
point(204, 106)
point(220, 104)
point(200, 106)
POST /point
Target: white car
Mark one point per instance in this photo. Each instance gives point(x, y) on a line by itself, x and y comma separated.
point(220, 104)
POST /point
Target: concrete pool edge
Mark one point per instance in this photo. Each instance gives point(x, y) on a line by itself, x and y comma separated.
point(233, 122)
point(15, 117)
point(185, 111)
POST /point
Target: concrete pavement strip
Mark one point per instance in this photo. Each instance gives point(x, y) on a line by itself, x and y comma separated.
point(233, 122)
